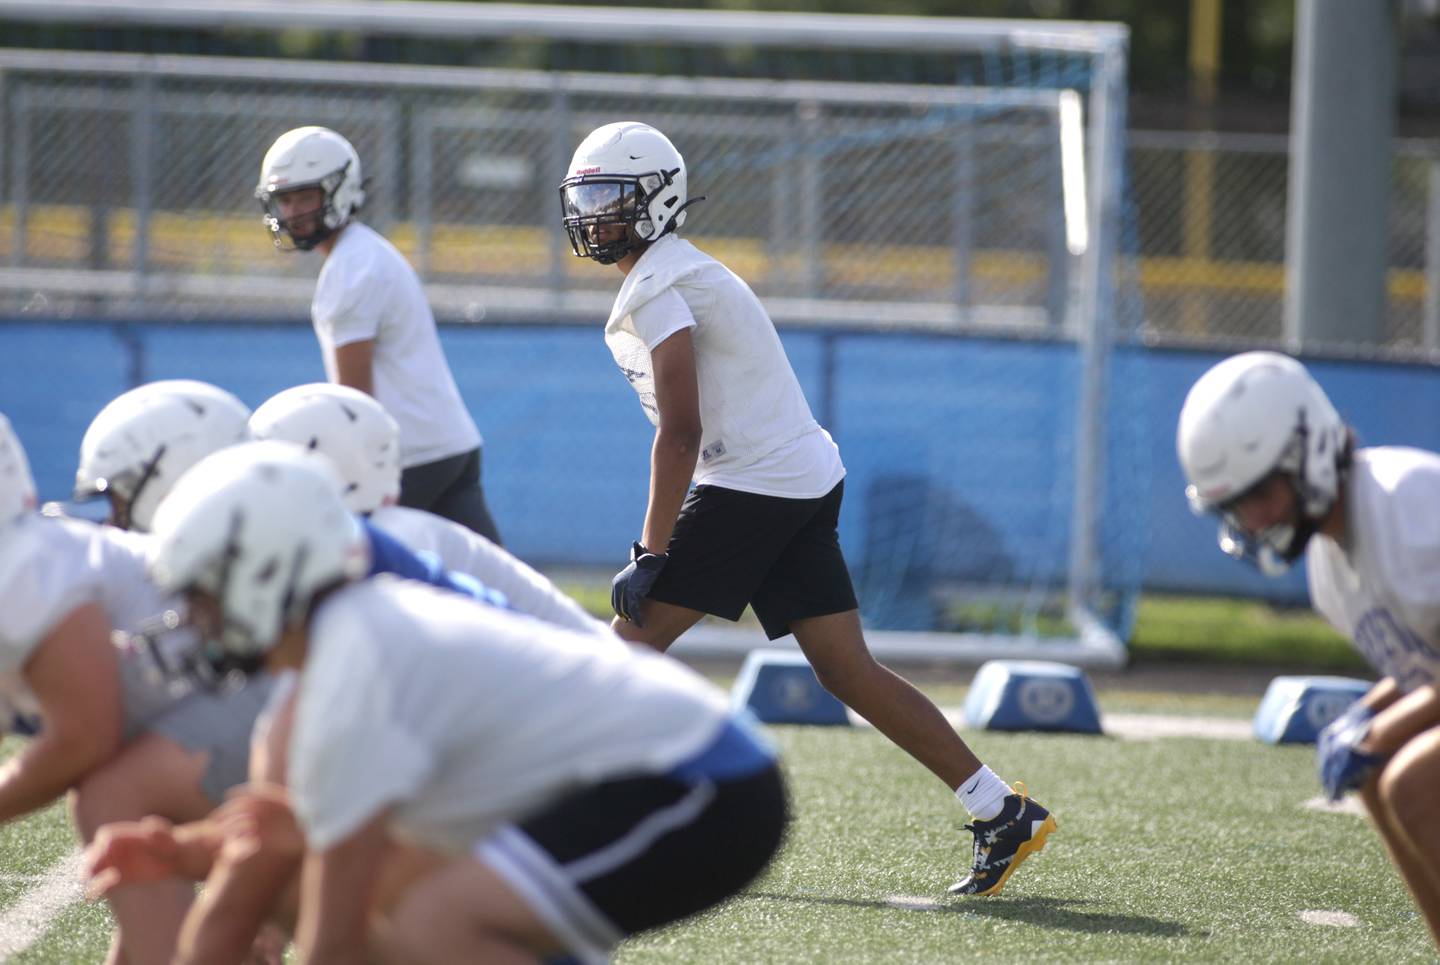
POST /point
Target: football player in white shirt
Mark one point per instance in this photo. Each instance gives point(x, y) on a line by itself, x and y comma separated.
point(362, 442)
point(553, 792)
point(1264, 449)
point(760, 525)
point(375, 327)
point(105, 721)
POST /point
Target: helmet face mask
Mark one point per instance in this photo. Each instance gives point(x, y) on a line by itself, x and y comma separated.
point(1272, 549)
point(594, 203)
point(1252, 422)
point(626, 188)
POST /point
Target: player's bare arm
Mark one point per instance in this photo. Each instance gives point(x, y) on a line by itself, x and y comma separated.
point(337, 886)
point(250, 879)
point(74, 677)
point(354, 365)
point(677, 437)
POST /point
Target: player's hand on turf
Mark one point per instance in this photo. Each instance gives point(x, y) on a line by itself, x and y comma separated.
point(130, 852)
point(1343, 765)
point(633, 584)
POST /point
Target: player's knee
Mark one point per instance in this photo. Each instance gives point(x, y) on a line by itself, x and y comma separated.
point(1406, 791)
point(419, 926)
point(101, 798)
point(847, 677)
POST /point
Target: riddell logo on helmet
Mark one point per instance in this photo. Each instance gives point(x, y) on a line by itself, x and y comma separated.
point(581, 171)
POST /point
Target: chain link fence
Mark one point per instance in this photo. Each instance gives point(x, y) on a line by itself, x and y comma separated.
point(127, 189)
point(1210, 235)
point(126, 192)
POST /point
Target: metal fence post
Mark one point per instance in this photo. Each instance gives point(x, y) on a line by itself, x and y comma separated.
point(812, 265)
point(19, 173)
point(962, 213)
point(142, 152)
point(422, 131)
point(1431, 325)
point(561, 133)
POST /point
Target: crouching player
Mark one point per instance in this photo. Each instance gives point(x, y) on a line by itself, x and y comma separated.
point(1263, 448)
point(528, 789)
point(362, 442)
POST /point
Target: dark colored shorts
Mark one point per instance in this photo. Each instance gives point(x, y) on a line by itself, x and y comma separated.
point(635, 853)
point(450, 487)
point(780, 556)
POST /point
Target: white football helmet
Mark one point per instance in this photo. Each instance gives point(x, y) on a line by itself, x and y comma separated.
point(626, 175)
point(1251, 416)
point(260, 527)
point(17, 485)
point(310, 157)
point(143, 440)
point(347, 426)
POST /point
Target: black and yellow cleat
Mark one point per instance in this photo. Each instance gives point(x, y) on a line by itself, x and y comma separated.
point(1004, 842)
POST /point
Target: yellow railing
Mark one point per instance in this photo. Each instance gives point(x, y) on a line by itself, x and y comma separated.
point(208, 243)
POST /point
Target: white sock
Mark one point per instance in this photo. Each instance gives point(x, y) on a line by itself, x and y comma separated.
point(983, 793)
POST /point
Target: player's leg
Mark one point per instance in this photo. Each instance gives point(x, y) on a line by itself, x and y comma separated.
point(464, 912)
point(179, 768)
point(723, 544)
point(258, 882)
point(808, 592)
point(152, 775)
point(835, 647)
point(450, 488)
point(609, 861)
point(1403, 800)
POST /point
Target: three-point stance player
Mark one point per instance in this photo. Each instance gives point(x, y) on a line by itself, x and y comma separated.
point(561, 790)
point(1264, 449)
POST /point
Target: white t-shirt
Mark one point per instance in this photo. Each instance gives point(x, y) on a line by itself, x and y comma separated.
point(1382, 587)
point(367, 290)
point(461, 716)
point(48, 568)
point(758, 434)
point(463, 551)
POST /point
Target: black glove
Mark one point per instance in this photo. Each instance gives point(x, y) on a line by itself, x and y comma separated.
point(633, 584)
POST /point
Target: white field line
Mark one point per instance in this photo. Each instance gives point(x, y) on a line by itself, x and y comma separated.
point(26, 920)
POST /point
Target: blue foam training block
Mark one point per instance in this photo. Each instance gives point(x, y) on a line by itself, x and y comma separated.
point(1032, 695)
point(780, 687)
point(1295, 709)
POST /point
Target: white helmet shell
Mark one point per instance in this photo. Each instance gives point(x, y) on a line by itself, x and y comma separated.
point(309, 157)
point(346, 426)
point(1252, 415)
point(144, 440)
point(17, 485)
point(625, 173)
point(262, 527)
